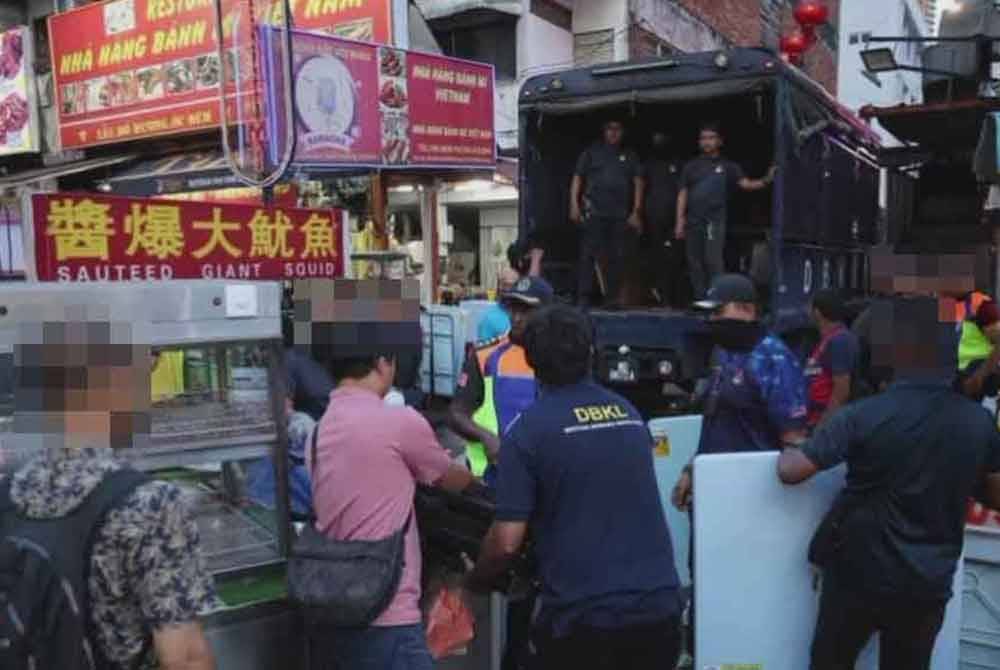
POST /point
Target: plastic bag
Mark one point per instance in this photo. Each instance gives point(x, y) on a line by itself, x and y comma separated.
point(450, 624)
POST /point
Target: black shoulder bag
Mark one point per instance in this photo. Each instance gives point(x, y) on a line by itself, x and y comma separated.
point(344, 583)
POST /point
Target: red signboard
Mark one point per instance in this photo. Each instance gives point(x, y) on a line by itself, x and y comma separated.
point(366, 105)
point(130, 69)
point(364, 20)
point(83, 237)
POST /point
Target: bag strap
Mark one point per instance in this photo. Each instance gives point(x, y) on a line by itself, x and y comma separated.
point(825, 342)
point(115, 486)
point(313, 453)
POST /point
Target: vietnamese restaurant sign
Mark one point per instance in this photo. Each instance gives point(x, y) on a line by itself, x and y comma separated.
point(133, 69)
point(84, 237)
point(365, 105)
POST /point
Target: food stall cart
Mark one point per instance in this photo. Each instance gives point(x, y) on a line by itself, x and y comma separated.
point(222, 417)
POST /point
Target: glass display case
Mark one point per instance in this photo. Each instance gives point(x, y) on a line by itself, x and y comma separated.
point(217, 405)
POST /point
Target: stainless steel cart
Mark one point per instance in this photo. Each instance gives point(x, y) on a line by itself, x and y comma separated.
point(217, 414)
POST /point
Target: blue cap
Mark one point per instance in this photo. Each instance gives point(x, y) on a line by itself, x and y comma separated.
point(494, 323)
point(533, 291)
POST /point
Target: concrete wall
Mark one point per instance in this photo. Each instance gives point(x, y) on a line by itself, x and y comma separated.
point(738, 20)
point(593, 15)
point(541, 45)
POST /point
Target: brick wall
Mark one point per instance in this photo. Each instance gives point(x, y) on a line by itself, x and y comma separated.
point(760, 23)
point(738, 20)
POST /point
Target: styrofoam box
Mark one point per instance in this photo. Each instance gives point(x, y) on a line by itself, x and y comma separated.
point(444, 328)
point(980, 637)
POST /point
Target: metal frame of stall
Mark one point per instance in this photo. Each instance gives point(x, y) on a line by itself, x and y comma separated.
point(207, 315)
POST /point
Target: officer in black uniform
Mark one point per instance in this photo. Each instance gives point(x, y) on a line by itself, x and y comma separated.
point(663, 254)
point(606, 198)
point(707, 185)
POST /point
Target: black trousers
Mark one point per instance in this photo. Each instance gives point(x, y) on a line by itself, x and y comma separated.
point(517, 654)
point(706, 244)
point(606, 237)
point(848, 620)
point(665, 266)
point(646, 647)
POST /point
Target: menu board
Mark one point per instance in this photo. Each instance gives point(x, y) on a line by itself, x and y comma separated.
point(18, 114)
point(360, 104)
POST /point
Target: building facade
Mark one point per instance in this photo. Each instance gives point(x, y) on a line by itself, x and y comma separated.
point(930, 9)
point(525, 38)
point(860, 19)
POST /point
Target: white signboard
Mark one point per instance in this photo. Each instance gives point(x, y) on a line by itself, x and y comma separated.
point(755, 594)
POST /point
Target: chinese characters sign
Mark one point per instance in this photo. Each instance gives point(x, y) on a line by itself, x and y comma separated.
point(365, 105)
point(97, 238)
point(18, 121)
point(129, 69)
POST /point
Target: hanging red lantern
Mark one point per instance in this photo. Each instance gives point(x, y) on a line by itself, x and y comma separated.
point(811, 13)
point(794, 44)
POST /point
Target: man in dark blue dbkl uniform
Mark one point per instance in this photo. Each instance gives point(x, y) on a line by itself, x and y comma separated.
point(577, 467)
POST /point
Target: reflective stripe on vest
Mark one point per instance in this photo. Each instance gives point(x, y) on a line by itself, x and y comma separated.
point(508, 389)
point(485, 416)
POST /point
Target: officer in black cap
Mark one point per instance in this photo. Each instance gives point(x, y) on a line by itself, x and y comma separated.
point(606, 197)
point(756, 396)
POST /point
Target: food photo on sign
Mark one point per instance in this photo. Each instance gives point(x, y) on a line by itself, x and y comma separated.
point(368, 105)
point(18, 131)
point(133, 69)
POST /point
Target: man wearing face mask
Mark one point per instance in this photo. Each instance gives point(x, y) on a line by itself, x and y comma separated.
point(756, 396)
point(664, 253)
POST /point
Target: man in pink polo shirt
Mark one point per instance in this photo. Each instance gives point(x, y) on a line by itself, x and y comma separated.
point(369, 458)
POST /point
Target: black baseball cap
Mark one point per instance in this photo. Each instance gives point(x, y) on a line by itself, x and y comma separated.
point(533, 291)
point(726, 289)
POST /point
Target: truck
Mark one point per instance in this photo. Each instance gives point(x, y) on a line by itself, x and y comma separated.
point(812, 230)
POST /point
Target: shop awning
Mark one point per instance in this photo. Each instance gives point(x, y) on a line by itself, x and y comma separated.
point(439, 9)
point(63, 170)
point(179, 173)
point(941, 126)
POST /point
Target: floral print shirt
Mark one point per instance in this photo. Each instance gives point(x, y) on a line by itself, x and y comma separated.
point(146, 571)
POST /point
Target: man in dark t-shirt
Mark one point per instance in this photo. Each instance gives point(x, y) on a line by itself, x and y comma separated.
point(833, 364)
point(707, 185)
point(578, 467)
point(606, 197)
point(663, 254)
point(915, 454)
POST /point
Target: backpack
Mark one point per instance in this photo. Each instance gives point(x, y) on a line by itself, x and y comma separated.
point(44, 565)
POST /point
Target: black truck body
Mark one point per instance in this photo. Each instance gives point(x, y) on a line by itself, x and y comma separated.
point(811, 230)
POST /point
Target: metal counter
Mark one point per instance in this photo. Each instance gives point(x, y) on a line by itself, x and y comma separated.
point(261, 636)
